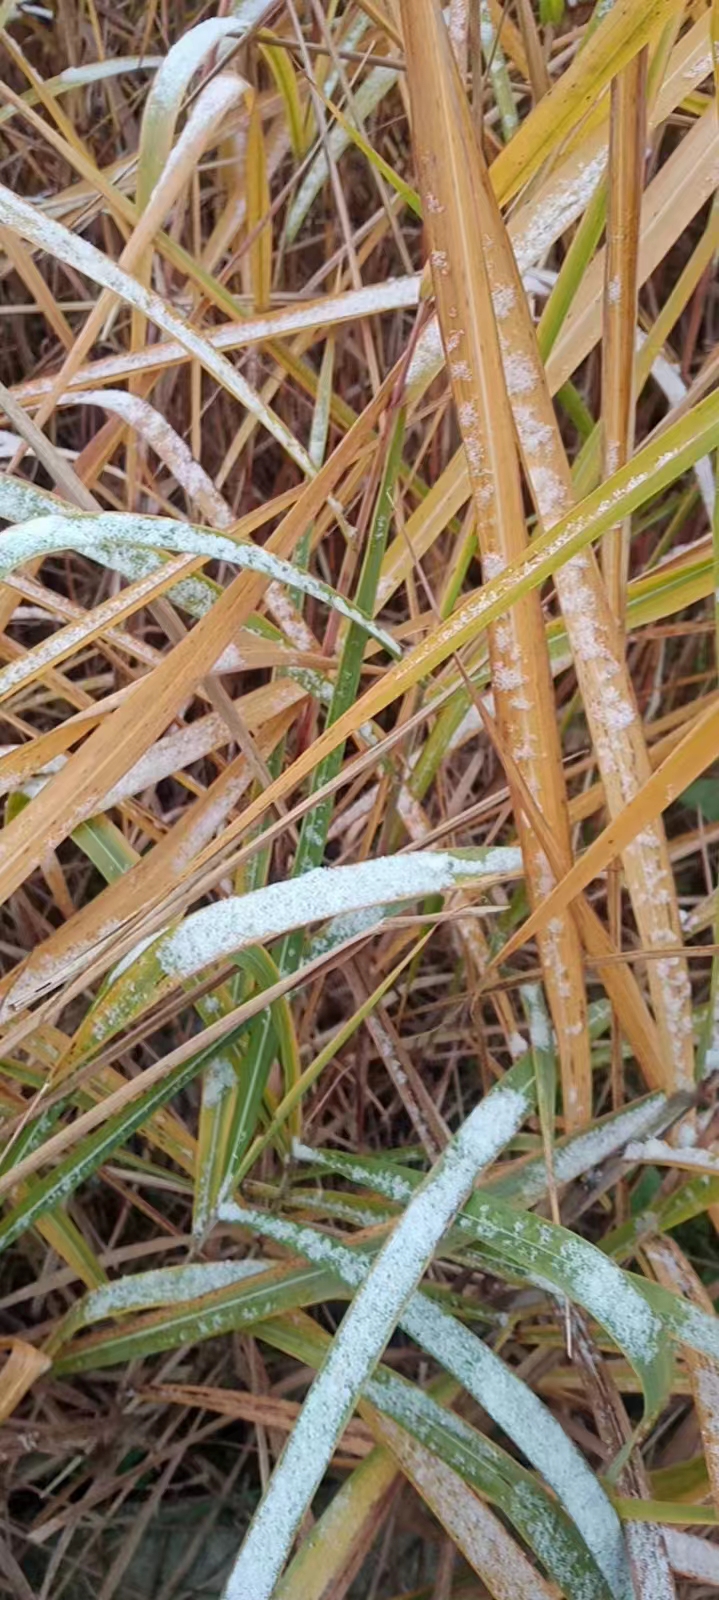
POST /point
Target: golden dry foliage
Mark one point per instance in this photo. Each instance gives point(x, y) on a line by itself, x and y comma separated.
point(360, 944)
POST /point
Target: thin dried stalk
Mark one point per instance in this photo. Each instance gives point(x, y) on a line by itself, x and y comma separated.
point(627, 137)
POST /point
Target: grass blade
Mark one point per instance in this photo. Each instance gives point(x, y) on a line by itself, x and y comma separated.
point(365, 1330)
point(448, 165)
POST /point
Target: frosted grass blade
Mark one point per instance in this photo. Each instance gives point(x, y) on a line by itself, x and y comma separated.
point(359, 1344)
point(511, 1404)
point(221, 929)
point(112, 536)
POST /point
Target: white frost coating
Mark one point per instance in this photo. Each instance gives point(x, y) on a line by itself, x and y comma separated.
point(201, 828)
point(96, 71)
point(659, 1150)
point(319, 1248)
point(166, 1286)
point(540, 1032)
point(39, 229)
point(218, 1079)
point(324, 892)
point(694, 1327)
point(167, 444)
point(596, 1282)
point(593, 1280)
point(19, 500)
point(288, 619)
point(564, 200)
point(546, 879)
point(9, 443)
point(618, 713)
point(550, 491)
point(522, 1416)
point(342, 929)
point(215, 100)
point(428, 356)
point(603, 1288)
point(133, 954)
point(471, 1526)
point(534, 435)
point(531, 1512)
point(179, 749)
point(507, 678)
point(427, 359)
point(102, 537)
point(504, 300)
point(510, 1403)
point(518, 374)
point(35, 660)
point(385, 1047)
point(711, 1052)
point(392, 1185)
point(467, 414)
point(693, 1557)
point(493, 565)
point(458, 26)
point(392, 294)
point(652, 1574)
point(174, 78)
point(586, 1150)
point(362, 1336)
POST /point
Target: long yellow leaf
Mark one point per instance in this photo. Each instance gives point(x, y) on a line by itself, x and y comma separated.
point(448, 166)
point(622, 34)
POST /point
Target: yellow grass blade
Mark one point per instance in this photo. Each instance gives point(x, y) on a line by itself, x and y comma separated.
point(623, 32)
point(448, 163)
point(482, 1539)
point(23, 1366)
point(694, 753)
point(259, 222)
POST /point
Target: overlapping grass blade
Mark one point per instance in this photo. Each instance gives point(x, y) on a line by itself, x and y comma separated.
point(371, 1318)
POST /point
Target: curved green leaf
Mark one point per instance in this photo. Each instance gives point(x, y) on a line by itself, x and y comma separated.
point(112, 538)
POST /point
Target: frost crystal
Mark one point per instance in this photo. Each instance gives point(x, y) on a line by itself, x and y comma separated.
point(440, 262)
